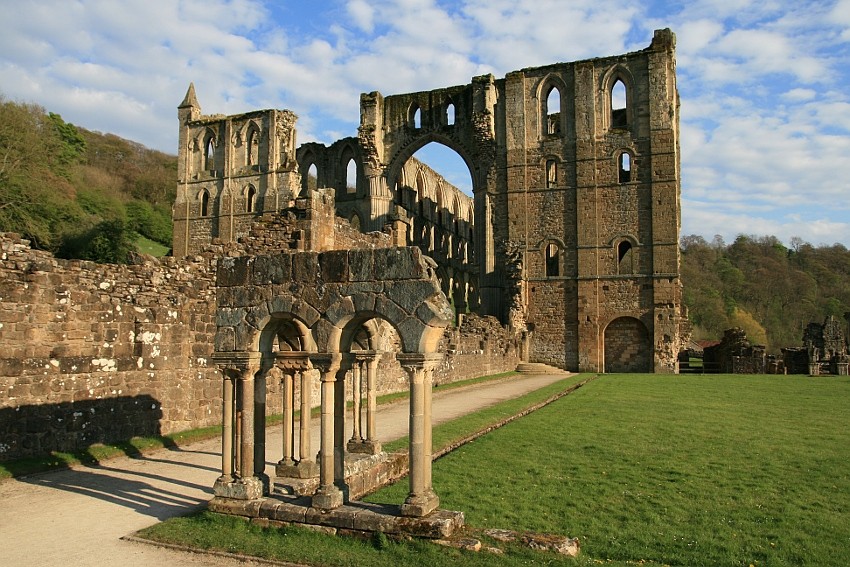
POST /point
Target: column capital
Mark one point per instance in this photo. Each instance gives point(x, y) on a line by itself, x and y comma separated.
point(326, 362)
point(418, 360)
point(292, 361)
point(242, 363)
point(364, 355)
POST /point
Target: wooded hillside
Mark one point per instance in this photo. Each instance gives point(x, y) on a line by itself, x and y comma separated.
point(756, 283)
point(78, 193)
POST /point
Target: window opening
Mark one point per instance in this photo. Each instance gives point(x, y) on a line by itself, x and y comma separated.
point(310, 182)
point(205, 203)
point(249, 202)
point(624, 167)
point(253, 147)
point(553, 111)
point(450, 114)
point(551, 173)
point(415, 116)
point(619, 117)
point(624, 257)
point(552, 260)
point(209, 155)
point(351, 177)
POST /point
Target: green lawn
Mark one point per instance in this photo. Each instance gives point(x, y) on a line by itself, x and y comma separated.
point(652, 470)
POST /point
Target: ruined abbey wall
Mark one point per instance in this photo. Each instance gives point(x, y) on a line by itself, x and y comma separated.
point(101, 353)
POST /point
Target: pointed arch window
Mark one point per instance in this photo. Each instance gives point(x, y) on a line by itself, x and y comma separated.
point(619, 105)
point(624, 167)
point(351, 177)
point(552, 112)
point(450, 114)
point(310, 181)
point(414, 117)
point(250, 198)
point(624, 257)
point(553, 260)
point(209, 153)
point(252, 151)
point(205, 203)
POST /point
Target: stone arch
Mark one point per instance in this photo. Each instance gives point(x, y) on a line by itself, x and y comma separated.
point(415, 143)
point(617, 73)
point(552, 123)
point(348, 154)
point(625, 249)
point(628, 346)
point(252, 137)
point(285, 331)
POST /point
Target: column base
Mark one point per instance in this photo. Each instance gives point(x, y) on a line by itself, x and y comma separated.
point(420, 505)
point(301, 469)
point(364, 447)
point(328, 498)
point(249, 488)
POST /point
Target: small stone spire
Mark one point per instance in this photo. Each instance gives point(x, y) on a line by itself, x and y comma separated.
point(190, 100)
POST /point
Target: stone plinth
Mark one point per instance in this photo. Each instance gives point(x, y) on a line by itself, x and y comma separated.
point(359, 516)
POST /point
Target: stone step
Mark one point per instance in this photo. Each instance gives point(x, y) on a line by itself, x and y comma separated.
point(538, 368)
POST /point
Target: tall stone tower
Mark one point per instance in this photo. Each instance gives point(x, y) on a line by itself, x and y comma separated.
point(230, 169)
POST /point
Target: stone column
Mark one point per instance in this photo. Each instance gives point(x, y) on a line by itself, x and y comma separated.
point(227, 397)
point(259, 419)
point(357, 396)
point(371, 441)
point(421, 500)
point(328, 496)
point(288, 419)
point(296, 367)
point(306, 467)
point(366, 362)
point(239, 478)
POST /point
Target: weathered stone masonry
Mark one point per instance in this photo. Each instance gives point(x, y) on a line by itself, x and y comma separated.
point(571, 238)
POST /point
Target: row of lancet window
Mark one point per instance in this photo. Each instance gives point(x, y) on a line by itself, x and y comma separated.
point(251, 153)
point(624, 170)
point(625, 262)
point(553, 109)
point(309, 181)
point(414, 115)
point(250, 201)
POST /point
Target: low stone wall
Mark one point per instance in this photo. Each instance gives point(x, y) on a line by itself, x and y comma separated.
point(98, 353)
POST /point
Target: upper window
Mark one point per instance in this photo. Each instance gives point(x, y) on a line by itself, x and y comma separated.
point(310, 182)
point(624, 257)
point(250, 198)
point(209, 153)
point(552, 113)
point(253, 147)
point(351, 177)
point(553, 254)
point(624, 167)
point(205, 203)
point(414, 117)
point(551, 173)
point(619, 109)
point(450, 114)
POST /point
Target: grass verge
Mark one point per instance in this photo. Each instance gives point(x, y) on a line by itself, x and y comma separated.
point(137, 446)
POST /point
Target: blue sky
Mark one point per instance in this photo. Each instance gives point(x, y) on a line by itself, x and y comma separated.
point(765, 86)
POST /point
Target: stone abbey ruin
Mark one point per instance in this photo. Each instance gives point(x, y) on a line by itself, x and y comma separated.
point(279, 293)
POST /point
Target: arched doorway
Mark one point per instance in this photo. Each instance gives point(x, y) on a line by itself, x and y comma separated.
point(627, 346)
